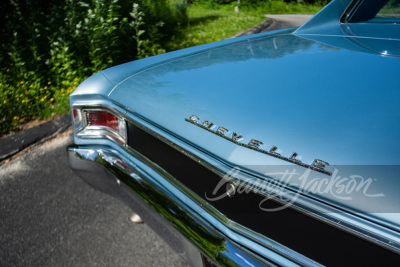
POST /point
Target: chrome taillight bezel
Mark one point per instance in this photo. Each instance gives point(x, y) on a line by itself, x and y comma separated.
point(83, 130)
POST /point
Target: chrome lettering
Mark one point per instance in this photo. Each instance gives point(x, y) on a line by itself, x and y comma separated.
point(273, 149)
point(208, 124)
point(317, 165)
point(194, 118)
point(221, 130)
point(320, 164)
point(255, 143)
point(293, 157)
point(236, 137)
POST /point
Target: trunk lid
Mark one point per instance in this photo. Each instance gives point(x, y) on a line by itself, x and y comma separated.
point(338, 103)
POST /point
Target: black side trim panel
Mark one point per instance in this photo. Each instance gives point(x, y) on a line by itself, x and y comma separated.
point(308, 236)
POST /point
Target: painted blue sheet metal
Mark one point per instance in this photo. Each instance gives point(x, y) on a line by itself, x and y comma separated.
point(327, 90)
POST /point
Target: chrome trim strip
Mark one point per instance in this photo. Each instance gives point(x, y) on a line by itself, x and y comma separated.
point(261, 239)
point(160, 208)
point(332, 216)
point(350, 10)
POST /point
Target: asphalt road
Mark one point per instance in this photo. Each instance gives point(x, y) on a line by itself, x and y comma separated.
point(287, 21)
point(50, 217)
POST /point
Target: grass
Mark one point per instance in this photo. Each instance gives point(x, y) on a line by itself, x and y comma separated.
point(281, 7)
point(209, 25)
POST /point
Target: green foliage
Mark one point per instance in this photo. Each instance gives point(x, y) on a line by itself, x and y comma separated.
point(392, 8)
point(282, 7)
point(210, 22)
point(267, 6)
point(251, 2)
point(211, 2)
point(48, 47)
point(137, 24)
point(209, 25)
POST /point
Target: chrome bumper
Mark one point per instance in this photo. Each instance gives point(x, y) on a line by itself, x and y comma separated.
point(185, 231)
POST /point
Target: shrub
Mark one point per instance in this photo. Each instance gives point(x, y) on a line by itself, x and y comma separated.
point(48, 47)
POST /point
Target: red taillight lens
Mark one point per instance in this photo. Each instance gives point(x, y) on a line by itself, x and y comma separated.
point(102, 118)
point(98, 123)
point(75, 113)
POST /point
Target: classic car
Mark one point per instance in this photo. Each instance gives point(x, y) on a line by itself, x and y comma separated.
point(275, 149)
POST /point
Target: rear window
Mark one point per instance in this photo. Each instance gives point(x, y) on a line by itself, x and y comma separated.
point(376, 11)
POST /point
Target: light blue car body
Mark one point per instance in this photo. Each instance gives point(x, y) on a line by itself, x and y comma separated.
point(327, 90)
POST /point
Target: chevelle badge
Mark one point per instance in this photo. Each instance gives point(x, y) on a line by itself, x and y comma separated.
point(317, 165)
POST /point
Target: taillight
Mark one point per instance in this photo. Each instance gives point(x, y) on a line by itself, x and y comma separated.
point(101, 118)
point(77, 119)
point(99, 123)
